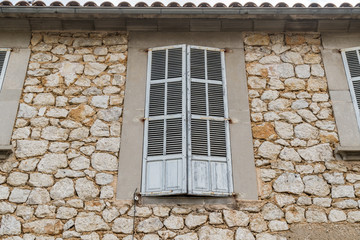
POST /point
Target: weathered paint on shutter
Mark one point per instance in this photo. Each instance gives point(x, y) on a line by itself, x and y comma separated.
point(351, 58)
point(209, 160)
point(164, 160)
point(4, 58)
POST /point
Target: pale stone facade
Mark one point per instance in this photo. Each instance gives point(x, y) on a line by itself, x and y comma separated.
point(60, 183)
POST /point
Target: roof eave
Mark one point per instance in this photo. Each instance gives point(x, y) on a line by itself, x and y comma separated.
point(166, 12)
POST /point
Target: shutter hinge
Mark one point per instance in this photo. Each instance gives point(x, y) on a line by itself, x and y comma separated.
point(227, 50)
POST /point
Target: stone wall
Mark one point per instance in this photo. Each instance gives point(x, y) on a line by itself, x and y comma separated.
point(294, 135)
point(60, 182)
point(66, 136)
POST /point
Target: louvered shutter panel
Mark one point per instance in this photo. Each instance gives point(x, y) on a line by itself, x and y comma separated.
point(209, 160)
point(4, 57)
point(164, 161)
point(351, 58)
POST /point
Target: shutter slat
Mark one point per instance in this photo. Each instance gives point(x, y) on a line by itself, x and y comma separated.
point(199, 137)
point(174, 95)
point(174, 136)
point(217, 138)
point(165, 116)
point(4, 57)
point(158, 65)
point(216, 100)
point(214, 65)
point(174, 58)
point(356, 85)
point(198, 98)
point(157, 99)
point(209, 153)
point(197, 63)
point(155, 137)
point(353, 63)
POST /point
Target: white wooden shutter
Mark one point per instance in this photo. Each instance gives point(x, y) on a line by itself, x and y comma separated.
point(4, 57)
point(351, 58)
point(209, 160)
point(164, 160)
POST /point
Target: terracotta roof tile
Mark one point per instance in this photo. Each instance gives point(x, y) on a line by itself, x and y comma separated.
point(39, 4)
point(107, 4)
point(58, 4)
point(124, 4)
point(281, 4)
point(22, 3)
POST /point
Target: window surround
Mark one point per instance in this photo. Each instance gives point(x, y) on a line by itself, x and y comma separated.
point(129, 175)
point(12, 84)
point(339, 91)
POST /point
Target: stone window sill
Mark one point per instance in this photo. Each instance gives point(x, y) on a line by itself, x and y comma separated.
point(210, 202)
point(5, 151)
point(349, 153)
point(187, 200)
